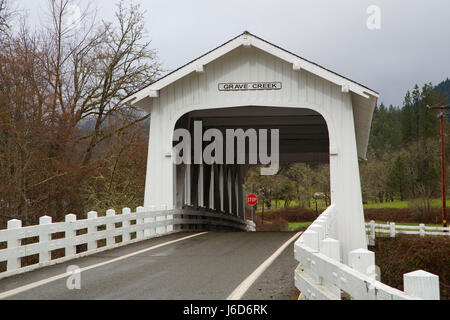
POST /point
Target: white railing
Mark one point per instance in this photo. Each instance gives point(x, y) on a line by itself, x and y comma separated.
point(393, 229)
point(110, 231)
point(202, 218)
point(321, 275)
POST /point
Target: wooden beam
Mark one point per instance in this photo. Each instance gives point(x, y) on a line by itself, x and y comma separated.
point(206, 185)
point(226, 196)
point(216, 188)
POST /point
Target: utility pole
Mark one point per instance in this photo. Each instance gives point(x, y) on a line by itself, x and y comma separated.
point(441, 116)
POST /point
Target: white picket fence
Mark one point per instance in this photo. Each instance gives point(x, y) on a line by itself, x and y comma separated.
point(143, 224)
point(393, 229)
point(322, 276)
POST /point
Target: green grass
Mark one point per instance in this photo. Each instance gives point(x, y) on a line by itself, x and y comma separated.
point(397, 204)
point(295, 225)
point(320, 205)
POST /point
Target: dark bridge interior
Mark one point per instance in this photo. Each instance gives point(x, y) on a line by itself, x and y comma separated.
point(303, 132)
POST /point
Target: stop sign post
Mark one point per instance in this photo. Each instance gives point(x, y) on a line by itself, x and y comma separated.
point(252, 200)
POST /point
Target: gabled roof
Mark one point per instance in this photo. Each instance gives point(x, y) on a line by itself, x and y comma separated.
point(248, 39)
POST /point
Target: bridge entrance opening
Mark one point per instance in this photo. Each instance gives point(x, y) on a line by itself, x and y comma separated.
point(255, 141)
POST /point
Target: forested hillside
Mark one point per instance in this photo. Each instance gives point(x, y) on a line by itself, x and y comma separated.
point(443, 89)
point(403, 161)
point(404, 153)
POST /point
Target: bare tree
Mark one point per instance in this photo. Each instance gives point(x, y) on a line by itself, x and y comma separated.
point(5, 15)
point(61, 92)
point(91, 73)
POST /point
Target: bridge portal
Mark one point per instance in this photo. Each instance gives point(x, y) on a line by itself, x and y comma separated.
point(249, 83)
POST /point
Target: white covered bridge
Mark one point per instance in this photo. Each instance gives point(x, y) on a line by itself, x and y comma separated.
point(321, 116)
point(246, 83)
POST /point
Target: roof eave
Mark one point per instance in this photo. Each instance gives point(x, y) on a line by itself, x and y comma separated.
point(247, 39)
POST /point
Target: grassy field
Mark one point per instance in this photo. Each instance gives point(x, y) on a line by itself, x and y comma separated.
point(293, 226)
point(280, 205)
point(396, 204)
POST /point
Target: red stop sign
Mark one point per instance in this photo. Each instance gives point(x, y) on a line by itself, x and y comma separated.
point(252, 199)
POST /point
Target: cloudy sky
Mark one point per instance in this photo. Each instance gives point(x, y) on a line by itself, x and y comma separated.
point(412, 46)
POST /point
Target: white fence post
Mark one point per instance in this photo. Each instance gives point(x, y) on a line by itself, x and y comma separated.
point(13, 262)
point(372, 232)
point(139, 221)
point(392, 229)
point(92, 244)
point(148, 232)
point(311, 239)
point(330, 248)
point(71, 233)
point(164, 218)
point(153, 219)
point(110, 227)
point(421, 284)
point(44, 236)
point(126, 225)
point(169, 217)
point(160, 230)
point(319, 229)
point(422, 230)
point(362, 260)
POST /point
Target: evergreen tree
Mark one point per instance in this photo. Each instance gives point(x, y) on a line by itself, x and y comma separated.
point(397, 179)
point(407, 128)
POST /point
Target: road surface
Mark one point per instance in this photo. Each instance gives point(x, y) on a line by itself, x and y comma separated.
point(195, 266)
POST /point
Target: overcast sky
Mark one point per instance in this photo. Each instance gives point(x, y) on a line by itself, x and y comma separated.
point(412, 46)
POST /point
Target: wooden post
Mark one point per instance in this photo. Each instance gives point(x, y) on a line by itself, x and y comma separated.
point(392, 229)
point(444, 190)
point(92, 244)
point(372, 232)
point(253, 207)
point(163, 230)
point(421, 284)
point(109, 227)
point(44, 236)
point(233, 208)
point(226, 195)
point(362, 260)
point(139, 221)
point(14, 262)
point(319, 229)
point(194, 185)
point(442, 109)
point(330, 248)
point(71, 233)
point(148, 232)
point(422, 230)
point(206, 186)
point(126, 225)
point(310, 239)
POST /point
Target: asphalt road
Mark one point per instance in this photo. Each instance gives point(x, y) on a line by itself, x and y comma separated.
point(206, 266)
